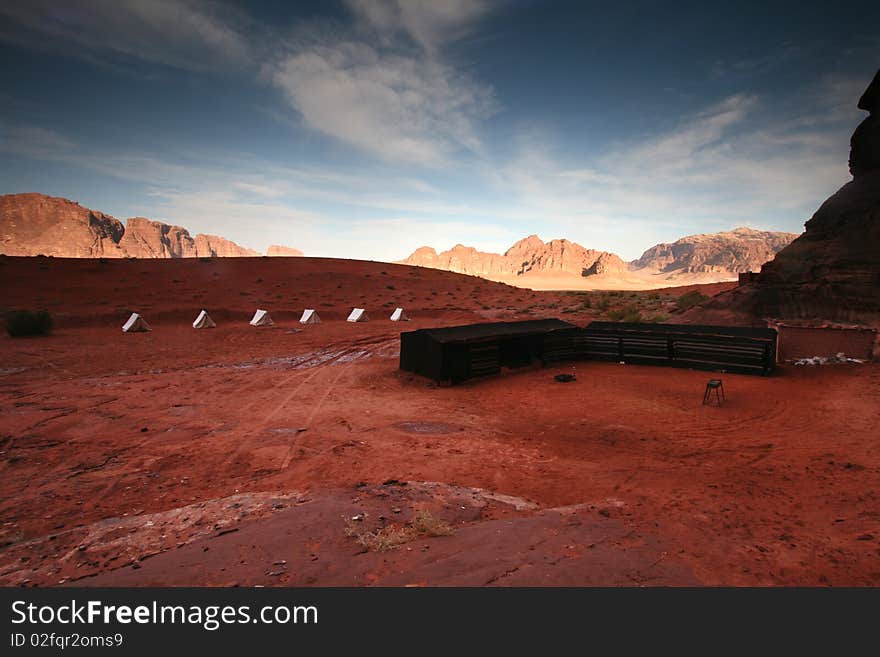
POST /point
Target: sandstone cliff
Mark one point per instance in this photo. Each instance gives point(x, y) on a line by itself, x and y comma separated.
point(278, 250)
point(832, 271)
point(722, 255)
point(36, 224)
point(729, 252)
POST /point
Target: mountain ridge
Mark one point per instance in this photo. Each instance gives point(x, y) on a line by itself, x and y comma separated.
point(37, 224)
point(721, 255)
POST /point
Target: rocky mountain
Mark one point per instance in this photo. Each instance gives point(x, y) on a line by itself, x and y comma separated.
point(606, 263)
point(832, 271)
point(278, 250)
point(36, 224)
point(530, 254)
point(723, 255)
point(730, 252)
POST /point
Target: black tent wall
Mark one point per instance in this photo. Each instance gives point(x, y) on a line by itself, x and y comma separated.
point(458, 353)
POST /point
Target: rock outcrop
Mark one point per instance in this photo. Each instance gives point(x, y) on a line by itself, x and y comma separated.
point(606, 263)
point(722, 254)
point(730, 252)
point(278, 250)
point(832, 271)
point(864, 147)
point(34, 224)
point(530, 254)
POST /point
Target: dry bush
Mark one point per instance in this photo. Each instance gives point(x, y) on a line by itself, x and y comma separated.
point(427, 525)
point(394, 535)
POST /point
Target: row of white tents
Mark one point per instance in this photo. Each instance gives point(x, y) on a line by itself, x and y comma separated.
point(137, 324)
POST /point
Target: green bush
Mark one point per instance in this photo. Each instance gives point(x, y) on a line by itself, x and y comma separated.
point(27, 322)
point(690, 299)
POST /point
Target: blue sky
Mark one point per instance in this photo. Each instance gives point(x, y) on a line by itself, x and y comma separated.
point(366, 129)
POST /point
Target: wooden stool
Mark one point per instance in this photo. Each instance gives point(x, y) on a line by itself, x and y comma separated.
point(718, 387)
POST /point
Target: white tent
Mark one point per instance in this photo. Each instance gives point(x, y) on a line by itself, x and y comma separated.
point(358, 315)
point(261, 318)
point(136, 324)
point(204, 321)
point(309, 317)
point(399, 315)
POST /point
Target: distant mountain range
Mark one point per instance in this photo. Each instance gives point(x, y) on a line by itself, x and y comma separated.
point(707, 258)
point(35, 224)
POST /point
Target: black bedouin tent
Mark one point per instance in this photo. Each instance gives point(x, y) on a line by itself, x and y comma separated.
point(740, 349)
point(458, 353)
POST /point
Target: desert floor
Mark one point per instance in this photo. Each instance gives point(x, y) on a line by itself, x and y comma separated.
point(260, 456)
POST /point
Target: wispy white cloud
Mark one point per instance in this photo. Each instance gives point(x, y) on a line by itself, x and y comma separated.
point(400, 108)
point(187, 34)
point(427, 22)
point(719, 168)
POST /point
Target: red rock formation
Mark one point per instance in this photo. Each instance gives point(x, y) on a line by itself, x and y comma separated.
point(277, 250)
point(220, 247)
point(144, 238)
point(864, 153)
point(730, 252)
point(35, 224)
point(725, 254)
point(607, 263)
point(532, 254)
point(832, 271)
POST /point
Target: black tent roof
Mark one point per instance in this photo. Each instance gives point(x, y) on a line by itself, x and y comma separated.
point(692, 329)
point(494, 329)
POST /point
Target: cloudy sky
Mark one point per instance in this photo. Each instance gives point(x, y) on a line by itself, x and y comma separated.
point(359, 128)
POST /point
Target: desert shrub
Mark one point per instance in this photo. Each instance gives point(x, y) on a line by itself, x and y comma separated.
point(690, 299)
point(27, 322)
point(603, 304)
point(390, 287)
point(628, 313)
point(393, 535)
point(426, 524)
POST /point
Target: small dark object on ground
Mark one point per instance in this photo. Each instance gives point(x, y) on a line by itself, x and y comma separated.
point(565, 378)
point(714, 385)
point(27, 322)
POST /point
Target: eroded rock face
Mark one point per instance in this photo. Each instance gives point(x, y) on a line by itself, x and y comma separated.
point(731, 252)
point(35, 224)
point(144, 238)
point(530, 254)
point(606, 263)
point(864, 154)
point(278, 250)
point(725, 254)
point(832, 271)
point(220, 247)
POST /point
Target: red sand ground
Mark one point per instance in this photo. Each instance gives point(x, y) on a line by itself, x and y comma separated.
point(240, 455)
